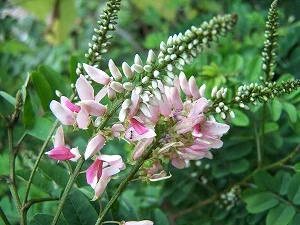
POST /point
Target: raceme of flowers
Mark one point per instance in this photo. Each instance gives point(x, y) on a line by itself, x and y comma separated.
point(188, 131)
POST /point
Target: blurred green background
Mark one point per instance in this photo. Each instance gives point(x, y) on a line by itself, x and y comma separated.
point(51, 36)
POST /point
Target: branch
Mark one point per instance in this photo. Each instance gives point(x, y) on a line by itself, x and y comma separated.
point(4, 218)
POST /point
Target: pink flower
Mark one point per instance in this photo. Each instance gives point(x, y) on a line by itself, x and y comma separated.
point(89, 103)
point(60, 151)
point(94, 145)
point(62, 113)
point(138, 130)
point(100, 172)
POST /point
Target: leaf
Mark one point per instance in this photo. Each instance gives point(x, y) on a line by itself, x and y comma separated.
point(39, 180)
point(54, 172)
point(261, 202)
point(238, 166)
point(56, 80)
point(28, 113)
point(41, 128)
point(8, 98)
point(253, 69)
point(241, 119)
point(159, 217)
point(264, 180)
point(294, 189)
point(72, 68)
point(78, 210)
point(276, 109)
point(270, 127)
point(43, 89)
point(297, 167)
point(282, 182)
point(237, 152)
point(234, 63)
point(43, 219)
point(291, 111)
point(14, 47)
point(295, 220)
point(281, 215)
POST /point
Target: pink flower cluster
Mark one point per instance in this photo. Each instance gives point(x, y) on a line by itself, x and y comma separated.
point(186, 132)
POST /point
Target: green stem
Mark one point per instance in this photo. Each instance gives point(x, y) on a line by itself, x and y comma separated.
point(38, 200)
point(263, 133)
point(67, 190)
point(124, 183)
point(258, 146)
point(12, 176)
point(38, 160)
point(4, 218)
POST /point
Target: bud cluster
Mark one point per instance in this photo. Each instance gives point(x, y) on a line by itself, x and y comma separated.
point(228, 200)
point(253, 92)
point(101, 39)
point(270, 44)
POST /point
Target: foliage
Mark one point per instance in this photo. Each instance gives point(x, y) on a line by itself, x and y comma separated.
point(253, 179)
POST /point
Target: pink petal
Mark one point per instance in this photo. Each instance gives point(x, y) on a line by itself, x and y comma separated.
point(113, 160)
point(187, 124)
point(141, 147)
point(117, 127)
point(93, 108)
point(75, 152)
point(175, 98)
point(94, 145)
point(94, 171)
point(67, 103)
point(193, 88)
point(62, 113)
point(138, 126)
point(198, 106)
point(59, 139)
point(184, 85)
point(60, 153)
point(100, 187)
point(83, 119)
point(178, 163)
point(213, 128)
point(165, 106)
point(135, 100)
point(110, 171)
point(97, 75)
point(84, 89)
point(101, 94)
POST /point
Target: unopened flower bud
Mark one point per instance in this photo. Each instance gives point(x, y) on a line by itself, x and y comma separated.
point(128, 86)
point(127, 71)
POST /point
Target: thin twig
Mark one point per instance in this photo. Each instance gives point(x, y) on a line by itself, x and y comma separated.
point(4, 218)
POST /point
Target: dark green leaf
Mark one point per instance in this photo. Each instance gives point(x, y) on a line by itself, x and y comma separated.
point(238, 166)
point(159, 217)
point(291, 111)
point(253, 69)
point(280, 215)
point(261, 202)
point(56, 81)
point(297, 167)
point(237, 152)
point(219, 214)
point(41, 128)
point(276, 109)
point(39, 180)
point(295, 220)
point(282, 182)
point(43, 89)
point(54, 172)
point(270, 127)
point(264, 180)
point(294, 189)
point(234, 63)
point(28, 113)
point(241, 119)
point(78, 210)
point(43, 219)
point(8, 98)
point(220, 171)
point(72, 68)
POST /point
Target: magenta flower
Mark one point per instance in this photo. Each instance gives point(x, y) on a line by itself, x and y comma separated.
point(60, 152)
